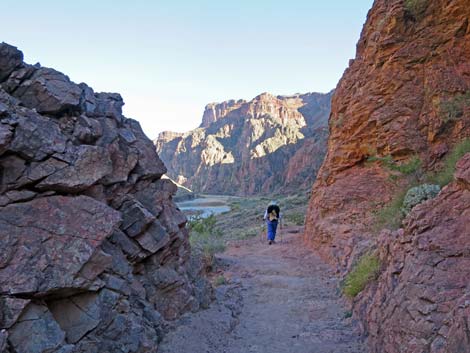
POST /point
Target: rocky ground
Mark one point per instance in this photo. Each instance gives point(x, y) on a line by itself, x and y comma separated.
point(279, 298)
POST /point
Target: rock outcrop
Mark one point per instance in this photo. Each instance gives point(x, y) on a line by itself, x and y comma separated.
point(421, 301)
point(94, 252)
point(406, 95)
point(264, 145)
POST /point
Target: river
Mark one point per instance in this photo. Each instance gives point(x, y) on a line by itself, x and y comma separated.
point(205, 205)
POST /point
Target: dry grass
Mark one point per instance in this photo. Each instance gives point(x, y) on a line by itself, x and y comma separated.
point(365, 271)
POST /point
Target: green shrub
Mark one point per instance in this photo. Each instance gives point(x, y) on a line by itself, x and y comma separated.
point(419, 194)
point(446, 174)
point(203, 225)
point(220, 281)
point(391, 215)
point(416, 7)
point(365, 271)
point(205, 239)
point(454, 108)
point(386, 161)
point(206, 245)
point(407, 168)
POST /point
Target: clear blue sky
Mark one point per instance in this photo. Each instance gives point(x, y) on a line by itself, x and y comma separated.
point(170, 58)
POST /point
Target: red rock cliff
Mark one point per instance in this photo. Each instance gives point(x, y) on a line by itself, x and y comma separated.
point(406, 94)
point(393, 100)
point(268, 144)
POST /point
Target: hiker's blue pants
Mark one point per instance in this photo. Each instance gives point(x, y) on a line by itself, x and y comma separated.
point(272, 226)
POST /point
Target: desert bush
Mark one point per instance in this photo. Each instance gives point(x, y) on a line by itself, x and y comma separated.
point(454, 108)
point(363, 272)
point(416, 7)
point(203, 225)
point(419, 194)
point(445, 175)
point(412, 166)
point(205, 239)
point(391, 215)
point(408, 168)
point(220, 281)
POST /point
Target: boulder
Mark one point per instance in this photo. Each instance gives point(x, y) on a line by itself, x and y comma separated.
point(49, 92)
point(6, 135)
point(10, 59)
point(77, 315)
point(37, 137)
point(36, 331)
point(49, 241)
point(91, 163)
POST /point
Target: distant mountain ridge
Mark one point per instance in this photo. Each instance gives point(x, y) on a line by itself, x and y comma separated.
point(271, 143)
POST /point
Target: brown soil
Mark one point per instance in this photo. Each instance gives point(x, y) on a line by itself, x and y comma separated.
point(279, 298)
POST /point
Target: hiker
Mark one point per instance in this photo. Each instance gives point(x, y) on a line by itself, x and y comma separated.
point(272, 216)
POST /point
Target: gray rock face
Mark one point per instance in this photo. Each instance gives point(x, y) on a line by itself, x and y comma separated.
point(10, 59)
point(95, 254)
point(49, 91)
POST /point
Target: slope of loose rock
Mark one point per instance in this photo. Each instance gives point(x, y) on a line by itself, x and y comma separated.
point(95, 255)
point(268, 144)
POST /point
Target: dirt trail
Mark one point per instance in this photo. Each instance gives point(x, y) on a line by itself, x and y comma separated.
point(279, 298)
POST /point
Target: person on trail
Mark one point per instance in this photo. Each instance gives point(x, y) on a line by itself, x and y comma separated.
point(272, 216)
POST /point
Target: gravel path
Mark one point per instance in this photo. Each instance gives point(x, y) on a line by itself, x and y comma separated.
point(279, 299)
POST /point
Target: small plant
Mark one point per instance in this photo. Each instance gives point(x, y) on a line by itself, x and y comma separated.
point(391, 215)
point(203, 225)
point(339, 122)
point(445, 175)
point(205, 239)
point(410, 167)
point(206, 246)
point(454, 108)
point(416, 7)
point(419, 194)
point(407, 168)
point(365, 271)
point(295, 218)
point(220, 281)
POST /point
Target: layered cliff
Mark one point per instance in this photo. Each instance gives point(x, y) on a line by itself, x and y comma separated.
point(267, 144)
point(94, 252)
point(400, 108)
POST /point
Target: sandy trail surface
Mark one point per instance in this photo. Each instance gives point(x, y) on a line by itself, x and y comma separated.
point(279, 298)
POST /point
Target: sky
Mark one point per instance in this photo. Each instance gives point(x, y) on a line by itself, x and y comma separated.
point(168, 59)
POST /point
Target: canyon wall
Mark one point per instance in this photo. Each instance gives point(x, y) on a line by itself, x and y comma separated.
point(95, 255)
point(264, 145)
point(405, 97)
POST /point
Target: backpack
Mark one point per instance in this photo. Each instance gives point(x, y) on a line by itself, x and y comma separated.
point(273, 213)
